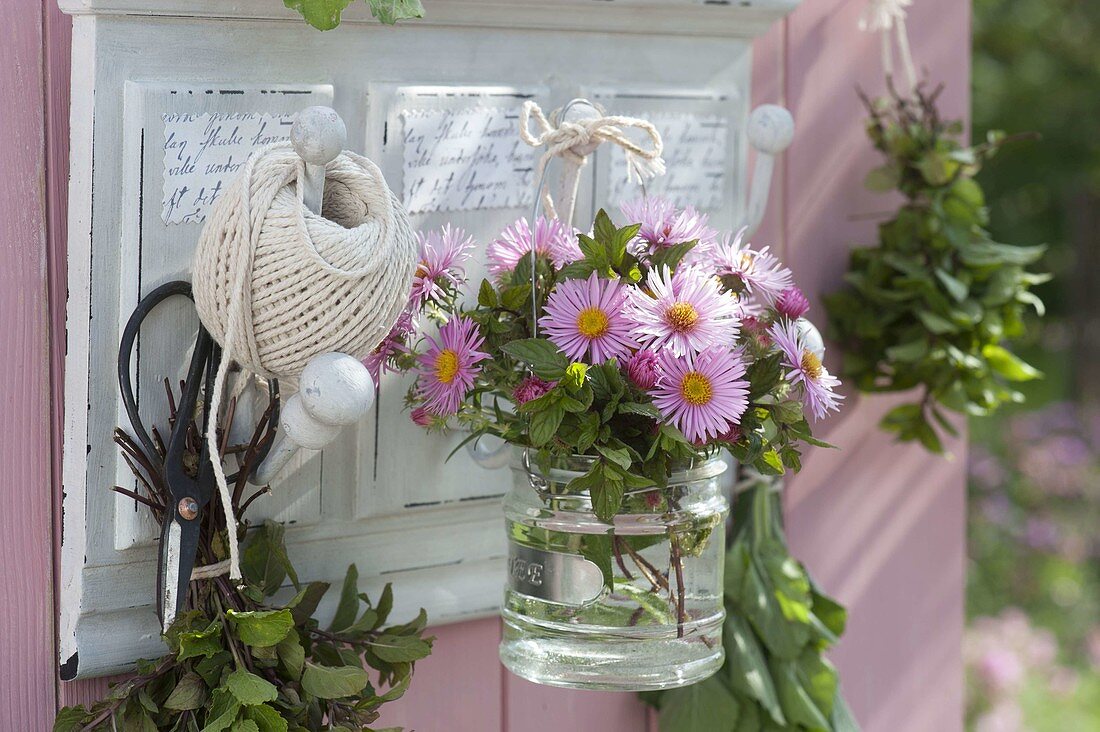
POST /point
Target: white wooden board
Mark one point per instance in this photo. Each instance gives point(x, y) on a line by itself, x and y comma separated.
point(382, 496)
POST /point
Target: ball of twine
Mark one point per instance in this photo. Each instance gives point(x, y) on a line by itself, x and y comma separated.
point(276, 284)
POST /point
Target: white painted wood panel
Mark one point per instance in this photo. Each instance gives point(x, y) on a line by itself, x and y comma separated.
point(381, 496)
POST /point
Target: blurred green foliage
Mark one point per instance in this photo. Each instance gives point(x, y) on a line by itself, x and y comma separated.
point(1034, 574)
point(1037, 68)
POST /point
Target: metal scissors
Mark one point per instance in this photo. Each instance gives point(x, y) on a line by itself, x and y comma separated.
point(189, 492)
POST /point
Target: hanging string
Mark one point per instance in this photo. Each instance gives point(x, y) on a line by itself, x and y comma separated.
point(563, 139)
point(884, 16)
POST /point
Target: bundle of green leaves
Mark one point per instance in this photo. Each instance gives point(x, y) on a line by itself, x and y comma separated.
point(778, 626)
point(643, 346)
point(325, 14)
point(933, 305)
point(239, 661)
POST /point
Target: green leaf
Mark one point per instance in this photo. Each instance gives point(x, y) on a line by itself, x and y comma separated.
point(544, 425)
point(955, 287)
point(263, 561)
point(540, 354)
point(391, 11)
point(304, 604)
point(607, 498)
point(348, 607)
point(223, 710)
point(400, 648)
point(936, 323)
point(746, 666)
point(704, 707)
point(249, 689)
point(266, 718)
point(70, 719)
point(1008, 365)
point(203, 643)
point(321, 14)
point(261, 627)
point(486, 295)
point(882, 180)
point(291, 655)
point(333, 682)
point(244, 725)
point(190, 692)
point(908, 352)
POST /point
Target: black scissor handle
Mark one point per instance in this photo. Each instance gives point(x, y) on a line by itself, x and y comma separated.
point(126, 349)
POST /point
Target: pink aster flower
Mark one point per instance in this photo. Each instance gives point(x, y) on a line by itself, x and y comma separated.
point(530, 389)
point(792, 303)
point(759, 273)
point(393, 344)
point(443, 256)
point(643, 370)
point(551, 239)
point(586, 316)
point(704, 395)
point(663, 225)
point(686, 312)
point(448, 368)
point(421, 416)
point(805, 368)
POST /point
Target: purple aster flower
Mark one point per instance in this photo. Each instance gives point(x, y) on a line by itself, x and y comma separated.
point(687, 312)
point(792, 303)
point(393, 344)
point(443, 256)
point(448, 368)
point(805, 368)
point(530, 389)
point(704, 394)
point(643, 369)
point(551, 239)
point(663, 225)
point(586, 317)
point(754, 273)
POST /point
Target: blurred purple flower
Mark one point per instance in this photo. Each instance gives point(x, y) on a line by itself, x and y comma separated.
point(1042, 533)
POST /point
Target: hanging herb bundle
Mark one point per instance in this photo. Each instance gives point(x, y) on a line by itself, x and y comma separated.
point(933, 305)
point(238, 659)
point(325, 14)
point(778, 626)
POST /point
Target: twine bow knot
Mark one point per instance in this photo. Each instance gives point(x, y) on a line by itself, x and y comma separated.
point(574, 141)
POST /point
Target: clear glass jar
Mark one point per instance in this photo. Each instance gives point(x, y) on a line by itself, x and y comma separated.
point(657, 622)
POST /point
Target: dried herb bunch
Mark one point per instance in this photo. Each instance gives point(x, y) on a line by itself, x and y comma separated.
point(238, 659)
point(932, 306)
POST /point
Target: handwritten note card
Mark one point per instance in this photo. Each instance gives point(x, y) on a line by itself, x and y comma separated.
point(465, 159)
point(204, 152)
point(695, 154)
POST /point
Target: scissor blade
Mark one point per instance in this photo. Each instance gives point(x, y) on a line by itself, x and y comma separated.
point(168, 590)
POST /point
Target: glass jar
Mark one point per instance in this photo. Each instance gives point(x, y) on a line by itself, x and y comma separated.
point(632, 606)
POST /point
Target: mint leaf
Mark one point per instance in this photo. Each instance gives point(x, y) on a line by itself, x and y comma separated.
point(261, 627)
point(321, 14)
point(391, 11)
point(333, 682)
point(250, 689)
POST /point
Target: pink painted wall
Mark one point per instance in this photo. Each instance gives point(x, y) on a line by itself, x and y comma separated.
point(880, 526)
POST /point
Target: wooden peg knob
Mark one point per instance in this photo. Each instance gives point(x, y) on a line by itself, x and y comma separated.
point(318, 135)
point(771, 129)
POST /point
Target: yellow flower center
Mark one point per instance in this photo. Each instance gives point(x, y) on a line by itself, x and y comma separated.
point(681, 316)
point(696, 389)
point(592, 322)
point(421, 270)
point(811, 365)
point(446, 366)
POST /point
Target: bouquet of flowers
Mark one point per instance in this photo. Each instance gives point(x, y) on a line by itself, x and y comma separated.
point(641, 345)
